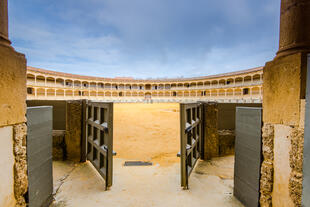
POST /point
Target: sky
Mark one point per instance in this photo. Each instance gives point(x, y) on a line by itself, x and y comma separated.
point(145, 38)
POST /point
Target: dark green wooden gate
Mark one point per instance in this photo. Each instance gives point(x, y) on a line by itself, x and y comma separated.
point(248, 155)
point(191, 120)
point(39, 155)
point(99, 136)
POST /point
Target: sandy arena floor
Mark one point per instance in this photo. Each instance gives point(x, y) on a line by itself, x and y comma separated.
point(148, 132)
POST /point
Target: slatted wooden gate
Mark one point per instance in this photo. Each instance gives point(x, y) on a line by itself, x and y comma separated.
point(248, 155)
point(191, 120)
point(99, 135)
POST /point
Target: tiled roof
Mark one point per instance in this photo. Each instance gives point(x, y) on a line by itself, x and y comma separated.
point(92, 78)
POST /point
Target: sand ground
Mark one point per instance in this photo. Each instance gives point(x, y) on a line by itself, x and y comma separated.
point(148, 132)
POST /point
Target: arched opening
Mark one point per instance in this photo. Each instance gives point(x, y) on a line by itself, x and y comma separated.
point(207, 84)
point(30, 79)
point(40, 92)
point(100, 94)
point(221, 92)
point(256, 78)
point(238, 81)
point(247, 79)
point(255, 91)
point(148, 95)
point(193, 85)
point(30, 91)
point(50, 81)
point(114, 86)
point(214, 83)
point(60, 93)
point(77, 84)
point(40, 80)
point(69, 93)
point(85, 84)
point(229, 92)
point(214, 93)
point(93, 93)
point(222, 82)
point(50, 92)
point(230, 81)
point(107, 86)
point(93, 85)
point(167, 86)
point(238, 92)
point(246, 91)
point(148, 87)
point(69, 83)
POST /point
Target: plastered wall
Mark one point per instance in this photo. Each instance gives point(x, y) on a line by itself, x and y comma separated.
point(6, 166)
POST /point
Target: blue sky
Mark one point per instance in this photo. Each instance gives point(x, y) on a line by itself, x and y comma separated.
point(145, 38)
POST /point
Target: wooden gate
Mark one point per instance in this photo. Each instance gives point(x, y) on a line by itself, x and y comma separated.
point(248, 155)
point(39, 156)
point(191, 138)
point(99, 136)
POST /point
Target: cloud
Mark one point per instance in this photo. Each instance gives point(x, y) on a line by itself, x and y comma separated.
point(145, 38)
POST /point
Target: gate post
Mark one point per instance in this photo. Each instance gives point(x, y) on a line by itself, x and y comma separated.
point(74, 131)
point(211, 137)
point(83, 130)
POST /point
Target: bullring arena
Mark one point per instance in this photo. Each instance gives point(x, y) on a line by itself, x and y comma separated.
point(243, 86)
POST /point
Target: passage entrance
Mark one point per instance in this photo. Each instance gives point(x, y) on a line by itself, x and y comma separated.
point(191, 139)
point(99, 136)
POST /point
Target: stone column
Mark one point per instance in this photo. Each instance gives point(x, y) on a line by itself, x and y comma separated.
point(294, 27)
point(284, 84)
point(4, 32)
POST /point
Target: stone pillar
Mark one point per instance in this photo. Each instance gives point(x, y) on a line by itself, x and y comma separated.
point(73, 130)
point(211, 138)
point(13, 163)
point(284, 85)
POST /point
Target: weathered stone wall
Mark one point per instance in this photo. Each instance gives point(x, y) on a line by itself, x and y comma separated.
point(211, 142)
point(59, 145)
point(20, 166)
point(73, 130)
point(226, 142)
point(266, 182)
